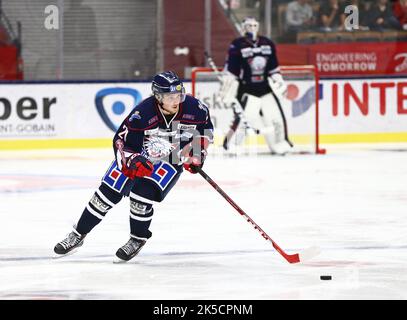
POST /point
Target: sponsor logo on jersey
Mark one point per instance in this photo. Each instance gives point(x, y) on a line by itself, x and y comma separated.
point(151, 131)
point(115, 178)
point(246, 52)
point(164, 133)
point(184, 136)
point(266, 50)
point(188, 116)
point(186, 126)
point(163, 174)
point(153, 119)
point(249, 52)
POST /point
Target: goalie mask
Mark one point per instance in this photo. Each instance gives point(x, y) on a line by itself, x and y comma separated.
point(250, 27)
point(168, 86)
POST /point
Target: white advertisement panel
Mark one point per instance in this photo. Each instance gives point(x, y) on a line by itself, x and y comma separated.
point(363, 106)
point(66, 111)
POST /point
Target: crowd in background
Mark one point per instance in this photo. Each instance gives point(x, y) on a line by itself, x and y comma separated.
point(330, 15)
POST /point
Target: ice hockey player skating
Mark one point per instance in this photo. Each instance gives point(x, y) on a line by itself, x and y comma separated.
point(164, 134)
point(253, 77)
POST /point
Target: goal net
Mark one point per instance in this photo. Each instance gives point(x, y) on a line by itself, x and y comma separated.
point(300, 106)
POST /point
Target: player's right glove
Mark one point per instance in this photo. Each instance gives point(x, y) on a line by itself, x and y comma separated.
point(194, 154)
point(137, 166)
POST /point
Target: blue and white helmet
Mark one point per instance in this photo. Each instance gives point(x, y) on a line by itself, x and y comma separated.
point(167, 83)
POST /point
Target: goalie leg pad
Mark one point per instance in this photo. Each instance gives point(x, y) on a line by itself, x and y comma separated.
point(252, 110)
point(273, 117)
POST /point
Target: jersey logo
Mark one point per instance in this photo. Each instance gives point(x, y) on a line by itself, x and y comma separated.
point(265, 49)
point(157, 148)
point(188, 116)
point(258, 65)
point(151, 131)
point(135, 115)
point(153, 119)
point(186, 126)
point(163, 174)
point(114, 178)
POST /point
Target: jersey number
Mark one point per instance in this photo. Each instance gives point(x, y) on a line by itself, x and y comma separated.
point(123, 134)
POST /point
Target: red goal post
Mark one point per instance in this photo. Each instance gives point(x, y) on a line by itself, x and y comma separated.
point(295, 77)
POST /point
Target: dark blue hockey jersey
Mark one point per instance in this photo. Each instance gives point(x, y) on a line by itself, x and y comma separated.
point(252, 62)
point(148, 131)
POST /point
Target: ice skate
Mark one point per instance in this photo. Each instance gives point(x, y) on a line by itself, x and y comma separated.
point(281, 148)
point(72, 241)
point(130, 249)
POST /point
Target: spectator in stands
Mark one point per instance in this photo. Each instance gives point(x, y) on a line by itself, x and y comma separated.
point(400, 12)
point(299, 16)
point(382, 18)
point(330, 15)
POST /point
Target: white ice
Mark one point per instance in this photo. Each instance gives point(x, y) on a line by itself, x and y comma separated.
point(351, 202)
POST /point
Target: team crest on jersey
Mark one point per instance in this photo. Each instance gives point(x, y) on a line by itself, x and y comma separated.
point(135, 115)
point(158, 148)
point(258, 64)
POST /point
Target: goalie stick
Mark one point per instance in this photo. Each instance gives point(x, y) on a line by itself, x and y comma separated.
point(291, 258)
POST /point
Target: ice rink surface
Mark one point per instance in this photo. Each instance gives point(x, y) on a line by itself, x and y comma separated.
point(351, 202)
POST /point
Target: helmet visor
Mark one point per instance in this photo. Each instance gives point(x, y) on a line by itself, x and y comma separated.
point(173, 97)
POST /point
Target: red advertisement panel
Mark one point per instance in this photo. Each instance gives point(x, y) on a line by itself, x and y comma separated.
point(350, 59)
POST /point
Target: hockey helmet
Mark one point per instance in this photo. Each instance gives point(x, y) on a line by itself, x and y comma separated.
point(250, 27)
point(167, 83)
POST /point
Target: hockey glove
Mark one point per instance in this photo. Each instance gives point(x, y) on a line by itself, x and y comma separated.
point(194, 154)
point(277, 84)
point(137, 166)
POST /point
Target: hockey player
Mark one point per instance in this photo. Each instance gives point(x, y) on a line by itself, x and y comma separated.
point(164, 134)
point(253, 77)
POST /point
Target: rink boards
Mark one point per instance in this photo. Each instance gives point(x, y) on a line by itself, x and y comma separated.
point(47, 115)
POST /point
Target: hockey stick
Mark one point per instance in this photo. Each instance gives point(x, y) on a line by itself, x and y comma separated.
point(291, 258)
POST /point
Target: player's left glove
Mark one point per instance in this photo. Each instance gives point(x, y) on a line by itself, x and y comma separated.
point(194, 154)
point(277, 84)
point(228, 89)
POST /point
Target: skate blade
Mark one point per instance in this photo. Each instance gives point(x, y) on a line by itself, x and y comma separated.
point(57, 256)
point(117, 260)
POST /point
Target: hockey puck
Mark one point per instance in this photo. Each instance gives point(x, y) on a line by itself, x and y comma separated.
point(326, 277)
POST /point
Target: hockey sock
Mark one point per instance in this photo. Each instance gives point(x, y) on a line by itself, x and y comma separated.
point(102, 201)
